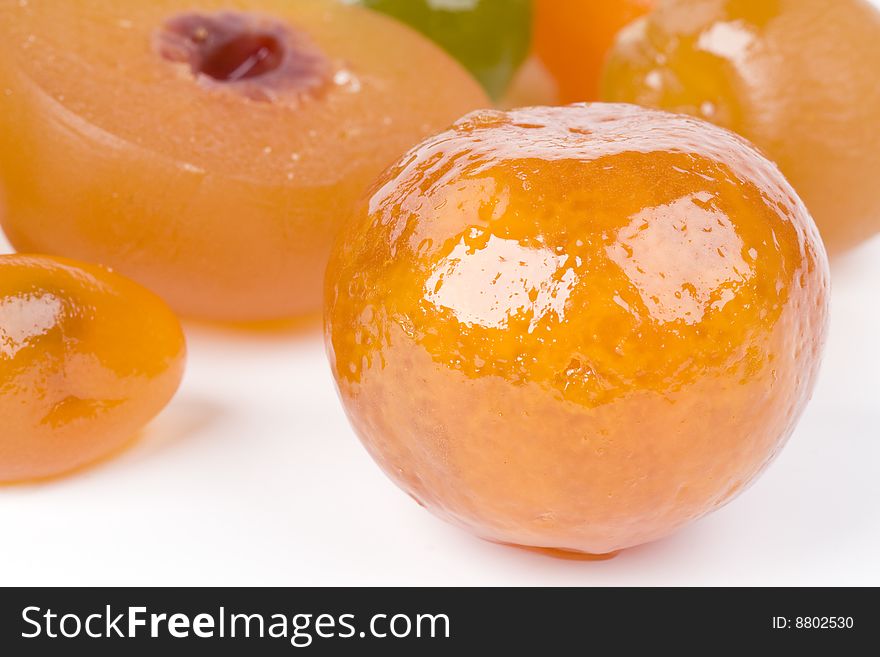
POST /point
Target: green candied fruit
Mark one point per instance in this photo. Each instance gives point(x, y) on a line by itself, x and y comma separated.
point(490, 38)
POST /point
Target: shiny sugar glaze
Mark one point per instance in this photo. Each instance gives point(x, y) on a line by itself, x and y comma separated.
point(782, 74)
point(579, 327)
point(87, 358)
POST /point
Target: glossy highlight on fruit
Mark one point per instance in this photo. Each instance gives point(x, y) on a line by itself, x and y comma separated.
point(87, 358)
point(573, 37)
point(798, 78)
point(580, 327)
point(490, 38)
point(209, 150)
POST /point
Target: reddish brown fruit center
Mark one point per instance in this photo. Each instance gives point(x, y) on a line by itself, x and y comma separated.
point(259, 57)
point(242, 57)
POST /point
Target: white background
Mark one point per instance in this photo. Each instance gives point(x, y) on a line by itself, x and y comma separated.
point(252, 476)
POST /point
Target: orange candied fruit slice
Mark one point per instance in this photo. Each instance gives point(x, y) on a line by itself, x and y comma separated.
point(798, 78)
point(209, 153)
point(87, 358)
point(573, 37)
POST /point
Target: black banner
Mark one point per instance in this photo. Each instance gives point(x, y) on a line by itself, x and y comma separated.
point(429, 621)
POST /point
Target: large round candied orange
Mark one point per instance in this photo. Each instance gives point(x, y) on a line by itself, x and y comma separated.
point(207, 148)
point(572, 38)
point(798, 78)
point(86, 359)
point(578, 327)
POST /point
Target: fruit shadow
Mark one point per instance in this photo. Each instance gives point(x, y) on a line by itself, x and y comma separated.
point(184, 419)
point(303, 327)
point(551, 558)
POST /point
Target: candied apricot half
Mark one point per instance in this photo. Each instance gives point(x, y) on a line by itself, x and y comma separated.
point(798, 78)
point(209, 151)
point(87, 358)
point(580, 327)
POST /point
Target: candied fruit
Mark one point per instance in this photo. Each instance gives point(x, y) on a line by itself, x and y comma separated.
point(489, 37)
point(572, 39)
point(87, 358)
point(210, 151)
point(532, 85)
point(577, 328)
point(798, 78)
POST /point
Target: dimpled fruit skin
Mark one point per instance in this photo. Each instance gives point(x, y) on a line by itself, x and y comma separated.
point(225, 206)
point(490, 38)
point(798, 78)
point(577, 327)
point(572, 38)
point(86, 359)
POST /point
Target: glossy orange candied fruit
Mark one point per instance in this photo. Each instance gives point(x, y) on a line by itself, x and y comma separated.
point(87, 358)
point(573, 37)
point(580, 327)
point(798, 78)
point(209, 149)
